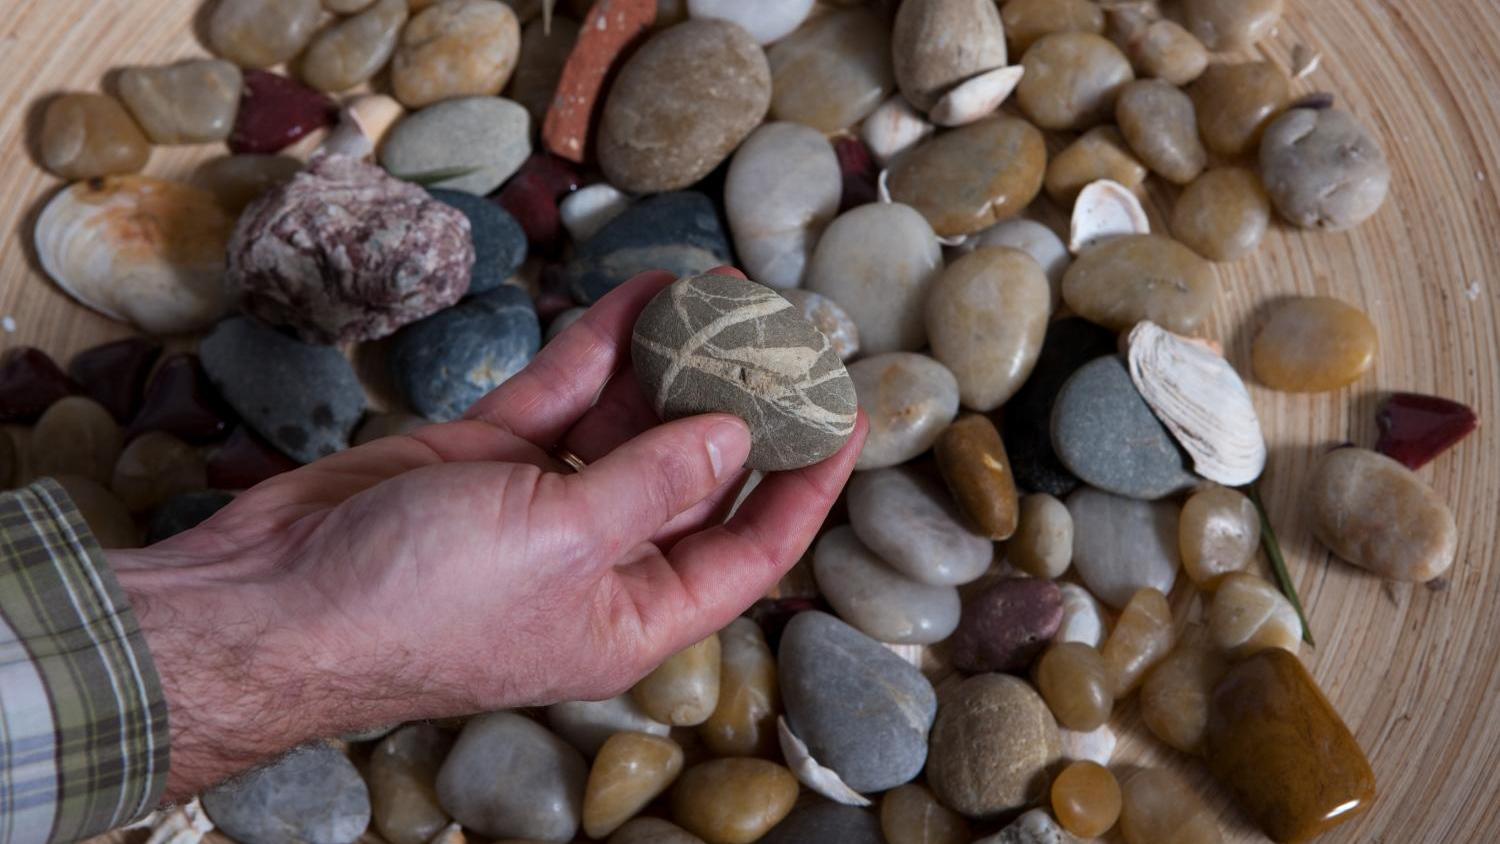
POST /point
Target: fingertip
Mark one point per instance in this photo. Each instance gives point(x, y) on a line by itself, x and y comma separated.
point(725, 269)
point(728, 443)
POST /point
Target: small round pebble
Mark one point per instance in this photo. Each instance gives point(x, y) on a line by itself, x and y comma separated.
point(482, 139)
point(1035, 239)
point(313, 794)
point(1380, 516)
point(971, 457)
point(676, 232)
point(1072, 80)
point(766, 21)
point(1158, 121)
point(1235, 103)
point(448, 361)
point(909, 399)
point(1322, 169)
point(911, 815)
point(1159, 49)
point(1043, 542)
point(1028, 20)
point(75, 436)
point(1223, 215)
point(1231, 24)
point(833, 71)
point(351, 51)
point(508, 777)
point(1312, 344)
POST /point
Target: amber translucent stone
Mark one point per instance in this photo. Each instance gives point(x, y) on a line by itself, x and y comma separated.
point(1217, 534)
point(1235, 103)
point(1141, 638)
point(733, 801)
point(1310, 344)
point(1086, 799)
point(1223, 214)
point(911, 815)
point(972, 459)
point(684, 690)
point(1158, 808)
point(744, 721)
point(629, 772)
point(1027, 20)
point(1074, 681)
point(1099, 153)
point(1174, 698)
point(1250, 614)
point(1278, 745)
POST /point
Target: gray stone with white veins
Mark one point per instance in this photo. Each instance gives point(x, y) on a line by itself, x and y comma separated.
point(312, 795)
point(720, 344)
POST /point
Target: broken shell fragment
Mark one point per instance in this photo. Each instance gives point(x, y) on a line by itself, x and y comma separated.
point(1103, 211)
point(140, 250)
point(1201, 400)
point(811, 774)
point(976, 97)
point(893, 128)
point(185, 824)
point(363, 123)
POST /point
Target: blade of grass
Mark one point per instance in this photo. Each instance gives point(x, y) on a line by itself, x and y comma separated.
point(1278, 563)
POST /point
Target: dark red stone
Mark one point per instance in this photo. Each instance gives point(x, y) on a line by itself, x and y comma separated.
point(245, 460)
point(532, 194)
point(859, 172)
point(114, 374)
point(181, 401)
point(1415, 428)
point(773, 615)
point(1006, 626)
point(30, 382)
point(275, 111)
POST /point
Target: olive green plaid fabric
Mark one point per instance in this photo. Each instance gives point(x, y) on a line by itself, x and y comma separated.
point(83, 726)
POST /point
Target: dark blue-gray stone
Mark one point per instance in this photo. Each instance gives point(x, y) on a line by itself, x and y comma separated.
point(1026, 423)
point(861, 710)
point(183, 511)
point(499, 241)
point(304, 399)
point(1107, 436)
point(448, 361)
point(313, 795)
point(677, 232)
point(827, 822)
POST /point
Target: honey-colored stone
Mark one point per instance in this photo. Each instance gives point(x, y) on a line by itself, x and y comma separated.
point(991, 746)
point(1280, 748)
point(260, 33)
point(1043, 541)
point(353, 50)
point(1158, 49)
point(1158, 121)
point(1072, 79)
point(684, 690)
point(1075, 682)
point(1142, 637)
point(1132, 278)
point(185, 103)
point(1099, 153)
point(89, 135)
point(1235, 103)
point(1027, 20)
point(1249, 614)
point(652, 831)
point(744, 722)
point(154, 467)
point(733, 801)
point(1380, 516)
point(833, 71)
point(103, 512)
point(401, 775)
point(1217, 533)
point(986, 316)
point(1174, 698)
point(1231, 24)
point(910, 814)
point(969, 178)
point(1312, 344)
point(1223, 214)
point(971, 458)
point(1086, 799)
point(75, 436)
point(629, 772)
point(459, 48)
point(1158, 808)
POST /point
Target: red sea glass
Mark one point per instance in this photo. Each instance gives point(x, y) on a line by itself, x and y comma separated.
point(1415, 428)
point(275, 111)
point(29, 383)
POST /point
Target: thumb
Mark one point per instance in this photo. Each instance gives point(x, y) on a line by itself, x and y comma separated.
point(631, 492)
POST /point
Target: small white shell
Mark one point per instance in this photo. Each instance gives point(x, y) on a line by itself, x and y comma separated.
point(976, 97)
point(185, 824)
point(1305, 61)
point(810, 773)
point(1096, 745)
point(450, 834)
point(139, 250)
point(362, 125)
point(1104, 210)
point(1083, 617)
point(893, 128)
point(586, 210)
point(1201, 400)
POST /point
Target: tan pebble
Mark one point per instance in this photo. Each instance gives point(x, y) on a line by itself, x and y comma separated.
point(833, 71)
point(189, 102)
point(1142, 637)
point(972, 459)
point(1312, 344)
point(1380, 516)
point(1158, 49)
point(1249, 614)
point(1223, 215)
point(1158, 808)
point(1235, 104)
point(986, 316)
point(353, 50)
point(744, 721)
point(909, 814)
point(684, 690)
point(733, 801)
point(935, 44)
point(89, 135)
point(104, 513)
point(991, 746)
point(1218, 534)
point(1158, 121)
point(1231, 24)
point(1043, 542)
point(154, 467)
point(459, 48)
point(76, 436)
point(629, 772)
point(1100, 153)
point(1072, 80)
point(260, 33)
point(1142, 277)
point(1027, 20)
point(971, 177)
point(1074, 681)
point(1174, 699)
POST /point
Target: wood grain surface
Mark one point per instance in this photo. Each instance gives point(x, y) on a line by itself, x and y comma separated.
point(1415, 670)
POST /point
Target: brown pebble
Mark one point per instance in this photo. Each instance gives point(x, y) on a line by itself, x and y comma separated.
point(155, 467)
point(1099, 153)
point(76, 436)
point(909, 814)
point(1072, 79)
point(1312, 344)
point(733, 801)
point(1223, 215)
point(1141, 277)
point(89, 135)
point(972, 459)
point(1235, 104)
point(969, 178)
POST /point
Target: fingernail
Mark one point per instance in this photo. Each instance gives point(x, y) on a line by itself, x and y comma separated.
point(728, 442)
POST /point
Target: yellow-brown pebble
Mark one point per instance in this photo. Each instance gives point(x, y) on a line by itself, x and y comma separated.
point(1278, 745)
point(1071, 80)
point(1312, 344)
point(1027, 20)
point(629, 772)
point(1158, 808)
point(1141, 638)
point(1143, 276)
point(971, 457)
point(460, 48)
point(910, 814)
point(1235, 103)
point(1099, 153)
point(733, 801)
point(1381, 516)
point(1086, 799)
point(971, 177)
point(744, 722)
point(1249, 614)
point(1217, 534)
point(1174, 698)
point(1223, 214)
point(1075, 682)
point(89, 135)
point(684, 690)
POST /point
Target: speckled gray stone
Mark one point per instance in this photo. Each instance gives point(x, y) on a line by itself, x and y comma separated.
point(304, 399)
point(824, 821)
point(1106, 434)
point(485, 137)
point(862, 711)
point(713, 343)
point(313, 795)
point(445, 363)
point(508, 777)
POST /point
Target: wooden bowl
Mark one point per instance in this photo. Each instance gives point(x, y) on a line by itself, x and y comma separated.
point(1415, 670)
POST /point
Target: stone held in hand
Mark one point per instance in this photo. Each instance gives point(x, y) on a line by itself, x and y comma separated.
point(909, 522)
point(448, 361)
point(508, 777)
point(713, 343)
point(1415, 428)
point(114, 374)
point(313, 794)
point(1380, 516)
point(676, 232)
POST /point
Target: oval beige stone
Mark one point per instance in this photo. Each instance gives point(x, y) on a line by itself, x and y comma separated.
point(986, 317)
point(1158, 121)
point(744, 722)
point(355, 49)
point(1072, 79)
point(969, 178)
point(684, 690)
point(1380, 516)
point(1312, 344)
point(936, 44)
point(833, 71)
point(458, 48)
point(1141, 277)
point(681, 105)
point(991, 746)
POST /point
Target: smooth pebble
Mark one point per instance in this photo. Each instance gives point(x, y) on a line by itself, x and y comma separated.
point(1121, 545)
point(909, 399)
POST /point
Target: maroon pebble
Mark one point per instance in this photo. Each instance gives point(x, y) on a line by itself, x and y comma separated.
point(1007, 625)
point(275, 111)
point(532, 194)
point(1415, 428)
point(114, 374)
point(245, 460)
point(859, 172)
point(30, 382)
point(181, 401)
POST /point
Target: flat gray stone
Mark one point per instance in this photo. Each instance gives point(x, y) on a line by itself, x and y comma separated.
point(448, 361)
point(1123, 544)
point(508, 777)
point(862, 711)
point(486, 137)
point(712, 343)
point(1106, 434)
point(912, 523)
point(880, 601)
point(823, 821)
point(312, 795)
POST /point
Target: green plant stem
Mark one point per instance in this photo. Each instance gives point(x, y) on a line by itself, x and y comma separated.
point(1278, 563)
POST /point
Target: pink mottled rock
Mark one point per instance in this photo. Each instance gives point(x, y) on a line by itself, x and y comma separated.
point(611, 27)
point(275, 112)
point(345, 252)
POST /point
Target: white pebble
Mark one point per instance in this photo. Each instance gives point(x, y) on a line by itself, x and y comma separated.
point(1036, 240)
point(1096, 745)
point(765, 20)
point(586, 210)
point(893, 128)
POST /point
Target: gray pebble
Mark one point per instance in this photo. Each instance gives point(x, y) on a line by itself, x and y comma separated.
point(499, 241)
point(313, 795)
point(489, 137)
point(911, 522)
point(1097, 414)
point(824, 821)
point(508, 777)
point(586, 724)
point(1122, 544)
point(448, 361)
point(677, 232)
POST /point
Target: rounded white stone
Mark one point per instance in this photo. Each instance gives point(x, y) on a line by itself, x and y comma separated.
point(1036, 240)
point(587, 209)
point(908, 399)
point(878, 600)
point(877, 262)
point(1123, 544)
point(781, 191)
point(765, 20)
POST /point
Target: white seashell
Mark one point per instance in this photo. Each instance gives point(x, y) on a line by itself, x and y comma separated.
point(362, 125)
point(586, 210)
point(139, 250)
point(1083, 617)
point(893, 128)
point(1096, 745)
point(1104, 210)
point(450, 834)
point(1201, 400)
point(1305, 61)
point(185, 824)
point(816, 777)
point(976, 97)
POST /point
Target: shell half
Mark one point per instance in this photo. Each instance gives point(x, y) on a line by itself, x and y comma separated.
point(1105, 210)
point(811, 774)
point(976, 97)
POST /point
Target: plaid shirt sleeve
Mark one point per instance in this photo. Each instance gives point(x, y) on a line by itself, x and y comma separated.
point(83, 724)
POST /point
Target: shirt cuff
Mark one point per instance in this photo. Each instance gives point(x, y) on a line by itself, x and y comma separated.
point(83, 723)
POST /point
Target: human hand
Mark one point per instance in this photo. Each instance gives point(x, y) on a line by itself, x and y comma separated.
point(460, 569)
